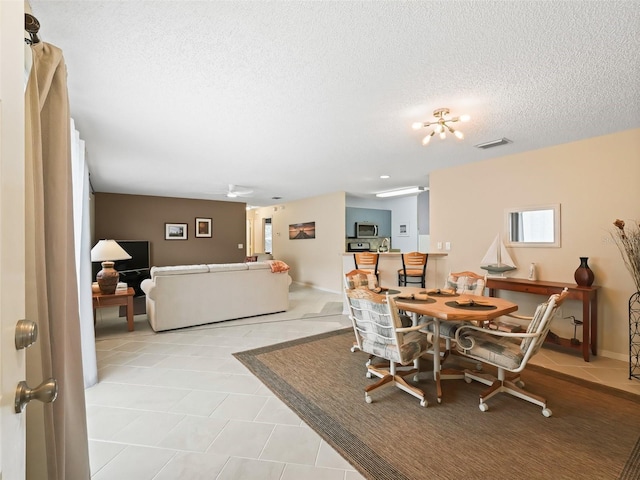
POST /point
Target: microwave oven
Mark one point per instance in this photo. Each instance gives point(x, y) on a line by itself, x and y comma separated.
point(366, 230)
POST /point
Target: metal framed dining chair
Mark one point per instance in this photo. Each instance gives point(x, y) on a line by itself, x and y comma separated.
point(508, 352)
point(414, 269)
point(379, 332)
point(460, 283)
point(367, 261)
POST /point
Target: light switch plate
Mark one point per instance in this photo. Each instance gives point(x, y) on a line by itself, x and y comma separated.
point(439, 245)
point(447, 245)
point(240, 245)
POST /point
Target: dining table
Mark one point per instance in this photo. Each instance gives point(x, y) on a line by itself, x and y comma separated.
point(444, 305)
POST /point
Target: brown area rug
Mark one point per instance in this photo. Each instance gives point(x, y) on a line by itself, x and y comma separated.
point(593, 433)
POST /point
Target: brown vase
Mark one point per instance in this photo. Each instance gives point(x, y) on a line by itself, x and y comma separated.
point(108, 278)
point(583, 274)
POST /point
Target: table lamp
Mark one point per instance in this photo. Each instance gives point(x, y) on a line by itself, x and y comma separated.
point(107, 251)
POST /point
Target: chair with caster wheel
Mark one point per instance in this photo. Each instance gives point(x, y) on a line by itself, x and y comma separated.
point(460, 283)
point(503, 351)
point(379, 332)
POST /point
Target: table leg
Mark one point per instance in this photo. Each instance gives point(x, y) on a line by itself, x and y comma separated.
point(436, 357)
point(587, 325)
point(594, 324)
point(130, 312)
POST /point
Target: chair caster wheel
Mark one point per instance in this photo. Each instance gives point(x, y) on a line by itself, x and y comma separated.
point(368, 375)
point(368, 399)
point(415, 377)
point(467, 379)
point(353, 349)
point(484, 407)
point(520, 384)
point(546, 412)
point(423, 403)
point(439, 400)
point(479, 367)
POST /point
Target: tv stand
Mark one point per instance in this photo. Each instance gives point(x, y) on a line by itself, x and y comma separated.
point(133, 278)
point(587, 295)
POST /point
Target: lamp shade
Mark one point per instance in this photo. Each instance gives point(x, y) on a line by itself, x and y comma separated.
point(108, 250)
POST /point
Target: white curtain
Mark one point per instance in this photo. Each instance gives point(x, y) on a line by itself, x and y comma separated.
point(82, 242)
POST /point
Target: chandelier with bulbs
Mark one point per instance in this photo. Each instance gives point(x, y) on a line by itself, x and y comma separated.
point(441, 125)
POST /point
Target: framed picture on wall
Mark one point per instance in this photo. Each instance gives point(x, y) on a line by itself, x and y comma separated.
point(203, 227)
point(403, 229)
point(175, 231)
point(302, 231)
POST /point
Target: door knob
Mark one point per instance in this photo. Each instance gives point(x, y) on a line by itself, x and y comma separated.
point(46, 392)
point(26, 333)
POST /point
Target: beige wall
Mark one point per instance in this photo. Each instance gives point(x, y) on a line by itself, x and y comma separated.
point(141, 217)
point(314, 262)
point(595, 181)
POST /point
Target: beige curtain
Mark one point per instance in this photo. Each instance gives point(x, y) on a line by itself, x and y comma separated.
point(51, 275)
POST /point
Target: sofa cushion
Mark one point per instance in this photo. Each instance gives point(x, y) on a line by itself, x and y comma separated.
point(258, 266)
point(179, 270)
point(227, 267)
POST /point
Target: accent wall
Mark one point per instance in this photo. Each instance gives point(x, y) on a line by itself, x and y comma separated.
point(141, 217)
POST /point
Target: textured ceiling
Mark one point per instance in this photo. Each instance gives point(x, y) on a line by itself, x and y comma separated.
point(297, 99)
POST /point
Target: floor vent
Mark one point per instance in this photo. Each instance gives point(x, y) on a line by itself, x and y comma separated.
point(493, 143)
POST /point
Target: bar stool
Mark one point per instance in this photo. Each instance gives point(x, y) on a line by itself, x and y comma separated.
point(414, 269)
point(367, 261)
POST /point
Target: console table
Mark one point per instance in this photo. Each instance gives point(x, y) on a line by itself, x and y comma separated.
point(587, 295)
point(124, 299)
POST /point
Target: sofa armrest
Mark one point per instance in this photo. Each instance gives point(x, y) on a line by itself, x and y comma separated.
point(148, 286)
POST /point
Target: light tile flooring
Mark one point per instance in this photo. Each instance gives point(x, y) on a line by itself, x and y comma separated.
point(178, 405)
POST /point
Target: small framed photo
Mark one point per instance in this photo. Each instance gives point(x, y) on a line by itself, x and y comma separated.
point(403, 229)
point(175, 231)
point(203, 227)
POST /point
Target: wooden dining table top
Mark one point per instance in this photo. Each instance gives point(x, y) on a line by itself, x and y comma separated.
point(438, 307)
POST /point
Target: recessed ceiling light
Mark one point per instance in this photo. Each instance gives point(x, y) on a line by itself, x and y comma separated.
point(276, 198)
point(384, 176)
point(403, 191)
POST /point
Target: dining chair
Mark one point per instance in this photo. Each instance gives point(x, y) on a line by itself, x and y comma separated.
point(461, 283)
point(379, 332)
point(367, 261)
point(503, 351)
point(414, 269)
point(366, 279)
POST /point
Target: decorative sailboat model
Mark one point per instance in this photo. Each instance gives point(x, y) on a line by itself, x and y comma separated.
point(497, 260)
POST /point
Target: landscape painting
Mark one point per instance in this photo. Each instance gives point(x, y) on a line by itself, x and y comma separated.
point(302, 231)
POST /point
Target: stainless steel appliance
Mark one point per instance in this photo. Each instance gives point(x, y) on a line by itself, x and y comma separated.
point(358, 246)
point(366, 230)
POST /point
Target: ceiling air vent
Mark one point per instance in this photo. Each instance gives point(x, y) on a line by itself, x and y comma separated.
point(493, 143)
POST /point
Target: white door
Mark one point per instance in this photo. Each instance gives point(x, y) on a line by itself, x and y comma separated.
point(12, 241)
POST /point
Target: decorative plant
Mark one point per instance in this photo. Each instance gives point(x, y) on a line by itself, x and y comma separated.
point(628, 242)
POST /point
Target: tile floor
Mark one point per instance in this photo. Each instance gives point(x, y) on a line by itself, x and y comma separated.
point(178, 405)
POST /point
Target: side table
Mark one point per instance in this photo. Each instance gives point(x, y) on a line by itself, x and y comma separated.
point(124, 298)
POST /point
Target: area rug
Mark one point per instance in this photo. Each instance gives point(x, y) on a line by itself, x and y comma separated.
point(592, 434)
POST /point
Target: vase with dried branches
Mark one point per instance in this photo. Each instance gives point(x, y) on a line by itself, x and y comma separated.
point(628, 241)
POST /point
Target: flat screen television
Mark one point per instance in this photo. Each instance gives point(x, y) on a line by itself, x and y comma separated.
point(139, 251)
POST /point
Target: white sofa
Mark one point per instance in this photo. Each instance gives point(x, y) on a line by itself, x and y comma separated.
point(188, 295)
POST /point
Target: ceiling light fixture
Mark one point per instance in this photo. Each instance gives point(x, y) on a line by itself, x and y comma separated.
point(403, 191)
point(441, 125)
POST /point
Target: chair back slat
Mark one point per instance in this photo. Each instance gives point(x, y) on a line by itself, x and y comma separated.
point(374, 317)
point(466, 283)
point(540, 324)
